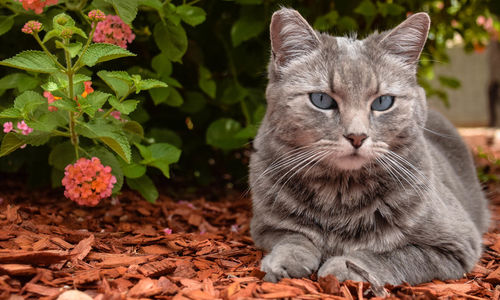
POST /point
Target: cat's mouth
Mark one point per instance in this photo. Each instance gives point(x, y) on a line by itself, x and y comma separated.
point(352, 161)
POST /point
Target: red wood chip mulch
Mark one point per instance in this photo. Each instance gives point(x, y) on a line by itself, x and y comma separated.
point(123, 249)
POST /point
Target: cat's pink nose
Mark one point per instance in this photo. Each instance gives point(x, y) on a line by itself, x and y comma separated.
point(356, 139)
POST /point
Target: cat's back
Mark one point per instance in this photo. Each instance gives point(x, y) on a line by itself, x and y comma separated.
point(453, 163)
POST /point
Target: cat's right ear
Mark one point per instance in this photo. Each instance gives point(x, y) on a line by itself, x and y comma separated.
point(291, 36)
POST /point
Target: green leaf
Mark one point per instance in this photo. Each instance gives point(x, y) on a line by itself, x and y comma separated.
point(73, 48)
point(234, 93)
point(62, 155)
point(51, 34)
point(171, 39)
point(163, 135)
point(109, 134)
point(100, 52)
point(36, 138)
point(222, 134)
point(66, 104)
point(347, 24)
point(327, 21)
point(10, 143)
point(194, 102)
point(135, 130)
point(145, 186)
point(159, 155)
point(174, 98)
point(108, 159)
point(132, 170)
point(391, 9)
point(450, 82)
point(20, 81)
point(48, 121)
point(246, 28)
point(36, 61)
point(161, 64)
point(93, 102)
point(126, 9)
point(156, 4)
point(28, 101)
point(170, 13)
point(366, 8)
point(119, 81)
point(6, 23)
point(192, 15)
point(147, 84)
point(124, 107)
point(206, 83)
point(11, 113)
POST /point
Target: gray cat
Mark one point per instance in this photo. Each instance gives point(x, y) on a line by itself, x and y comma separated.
point(351, 174)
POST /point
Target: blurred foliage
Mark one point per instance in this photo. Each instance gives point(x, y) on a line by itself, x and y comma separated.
point(213, 55)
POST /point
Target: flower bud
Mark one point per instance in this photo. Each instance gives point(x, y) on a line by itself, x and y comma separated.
point(32, 27)
point(66, 33)
point(96, 15)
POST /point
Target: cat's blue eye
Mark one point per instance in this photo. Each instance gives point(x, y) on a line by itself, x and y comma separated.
point(323, 101)
point(383, 103)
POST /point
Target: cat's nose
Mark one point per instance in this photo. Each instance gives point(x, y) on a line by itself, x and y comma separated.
point(356, 139)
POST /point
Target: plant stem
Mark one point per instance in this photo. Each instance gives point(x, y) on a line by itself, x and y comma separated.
point(89, 40)
point(234, 72)
point(70, 73)
point(54, 59)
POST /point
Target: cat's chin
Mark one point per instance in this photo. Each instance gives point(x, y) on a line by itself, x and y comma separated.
point(351, 162)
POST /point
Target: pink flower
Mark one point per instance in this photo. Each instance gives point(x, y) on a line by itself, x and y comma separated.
point(167, 231)
point(96, 15)
point(25, 129)
point(116, 114)
point(32, 27)
point(7, 127)
point(37, 5)
point(88, 89)
point(50, 99)
point(87, 181)
point(113, 31)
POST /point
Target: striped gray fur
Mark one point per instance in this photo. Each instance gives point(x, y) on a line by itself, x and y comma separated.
point(406, 208)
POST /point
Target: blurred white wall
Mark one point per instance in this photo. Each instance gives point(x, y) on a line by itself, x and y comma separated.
point(469, 103)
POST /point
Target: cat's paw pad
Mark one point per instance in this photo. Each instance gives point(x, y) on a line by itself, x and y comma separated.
point(341, 267)
point(288, 263)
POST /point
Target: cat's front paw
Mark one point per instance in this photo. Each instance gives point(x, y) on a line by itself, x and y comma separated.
point(289, 261)
point(344, 268)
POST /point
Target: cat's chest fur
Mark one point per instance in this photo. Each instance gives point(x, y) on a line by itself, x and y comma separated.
point(348, 212)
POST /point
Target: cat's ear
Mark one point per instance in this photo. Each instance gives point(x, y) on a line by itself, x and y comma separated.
point(408, 39)
point(291, 36)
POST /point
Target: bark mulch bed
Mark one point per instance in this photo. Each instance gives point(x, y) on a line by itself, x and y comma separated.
point(123, 249)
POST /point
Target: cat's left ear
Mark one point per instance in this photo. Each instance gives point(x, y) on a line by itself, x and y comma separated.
point(408, 39)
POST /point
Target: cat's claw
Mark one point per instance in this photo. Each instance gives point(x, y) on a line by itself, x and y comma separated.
point(284, 262)
point(339, 266)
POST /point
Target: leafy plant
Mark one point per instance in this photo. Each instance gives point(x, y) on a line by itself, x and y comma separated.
point(78, 121)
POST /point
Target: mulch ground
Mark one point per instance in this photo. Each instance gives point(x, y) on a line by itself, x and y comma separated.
point(126, 248)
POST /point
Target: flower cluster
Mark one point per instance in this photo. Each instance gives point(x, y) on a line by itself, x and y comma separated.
point(32, 27)
point(88, 88)
point(87, 181)
point(113, 31)
point(22, 126)
point(487, 24)
point(37, 5)
point(51, 98)
point(96, 15)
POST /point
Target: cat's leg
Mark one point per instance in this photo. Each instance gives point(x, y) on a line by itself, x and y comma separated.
point(293, 256)
point(410, 263)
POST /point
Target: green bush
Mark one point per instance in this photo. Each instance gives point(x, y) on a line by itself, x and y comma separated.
point(211, 55)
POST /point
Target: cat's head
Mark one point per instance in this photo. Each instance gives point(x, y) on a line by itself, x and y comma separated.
point(357, 98)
